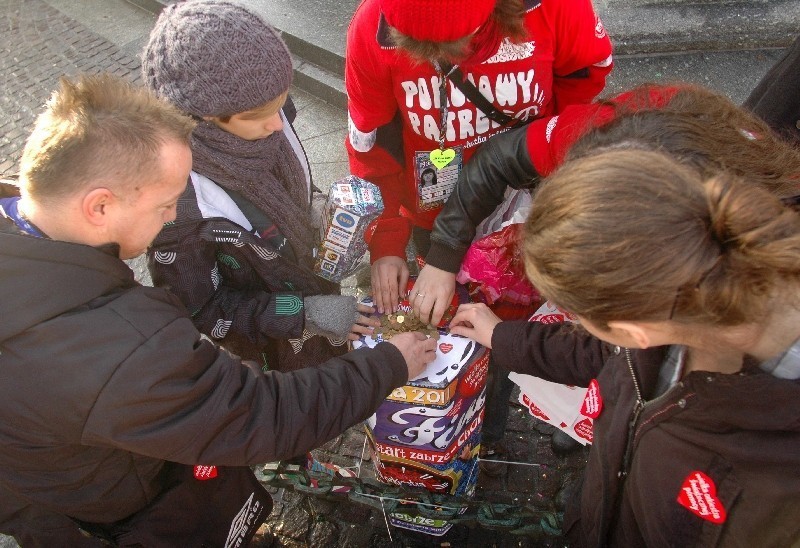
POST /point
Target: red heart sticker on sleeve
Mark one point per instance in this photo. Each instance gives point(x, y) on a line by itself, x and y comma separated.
point(551, 318)
point(203, 473)
point(592, 402)
point(445, 347)
point(699, 495)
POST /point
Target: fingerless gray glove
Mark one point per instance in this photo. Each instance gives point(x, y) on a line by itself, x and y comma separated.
point(330, 315)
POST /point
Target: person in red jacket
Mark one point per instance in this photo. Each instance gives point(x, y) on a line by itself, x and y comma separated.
point(409, 69)
point(687, 286)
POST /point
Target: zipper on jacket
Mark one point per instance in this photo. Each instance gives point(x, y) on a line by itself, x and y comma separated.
point(637, 410)
point(638, 407)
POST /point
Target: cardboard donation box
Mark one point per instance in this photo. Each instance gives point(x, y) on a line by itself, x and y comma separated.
point(427, 433)
point(352, 205)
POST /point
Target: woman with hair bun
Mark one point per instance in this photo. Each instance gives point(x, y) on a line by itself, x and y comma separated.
point(688, 290)
point(698, 126)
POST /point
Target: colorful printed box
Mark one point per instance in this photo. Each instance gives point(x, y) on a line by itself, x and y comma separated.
point(427, 433)
point(352, 205)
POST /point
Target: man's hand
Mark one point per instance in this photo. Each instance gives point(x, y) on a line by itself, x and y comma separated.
point(389, 279)
point(432, 293)
point(364, 325)
point(476, 321)
point(417, 349)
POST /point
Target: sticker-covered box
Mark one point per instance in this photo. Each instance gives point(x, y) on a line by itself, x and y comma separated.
point(352, 205)
point(427, 432)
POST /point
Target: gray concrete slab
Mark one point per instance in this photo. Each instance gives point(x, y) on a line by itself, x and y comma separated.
point(659, 27)
point(41, 42)
point(319, 22)
point(733, 73)
point(121, 23)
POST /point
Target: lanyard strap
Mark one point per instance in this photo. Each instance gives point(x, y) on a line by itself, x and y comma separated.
point(444, 74)
point(471, 92)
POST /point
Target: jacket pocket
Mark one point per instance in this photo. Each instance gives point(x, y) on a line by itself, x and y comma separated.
point(704, 503)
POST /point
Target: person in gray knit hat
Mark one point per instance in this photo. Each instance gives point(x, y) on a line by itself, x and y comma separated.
point(241, 251)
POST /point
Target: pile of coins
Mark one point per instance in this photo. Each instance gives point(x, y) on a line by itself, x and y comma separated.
point(392, 324)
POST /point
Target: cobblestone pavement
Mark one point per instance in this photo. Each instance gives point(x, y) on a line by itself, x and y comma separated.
point(38, 44)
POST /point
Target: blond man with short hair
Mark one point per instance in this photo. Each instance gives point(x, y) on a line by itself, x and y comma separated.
point(115, 415)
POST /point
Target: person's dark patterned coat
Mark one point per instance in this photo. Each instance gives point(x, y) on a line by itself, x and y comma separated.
point(244, 291)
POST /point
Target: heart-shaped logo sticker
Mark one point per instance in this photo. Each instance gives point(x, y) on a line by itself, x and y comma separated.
point(441, 158)
point(445, 347)
point(203, 473)
point(699, 495)
point(592, 402)
point(585, 429)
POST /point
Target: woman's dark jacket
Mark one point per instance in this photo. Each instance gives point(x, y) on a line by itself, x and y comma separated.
point(740, 430)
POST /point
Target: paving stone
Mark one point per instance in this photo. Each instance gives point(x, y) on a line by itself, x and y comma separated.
point(263, 538)
point(548, 483)
point(293, 524)
point(353, 442)
point(40, 44)
point(355, 536)
point(353, 513)
point(321, 508)
point(333, 445)
point(323, 534)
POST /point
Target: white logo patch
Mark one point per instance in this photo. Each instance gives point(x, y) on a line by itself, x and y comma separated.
point(297, 344)
point(241, 522)
point(599, 29)
point(165, 257)
point(265, 254)
point(215, 278)
point(221, 329)
point(335, 341)
point(229, 236)
point(510, 51)
point(551, 125)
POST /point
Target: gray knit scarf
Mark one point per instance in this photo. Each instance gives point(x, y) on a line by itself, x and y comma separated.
point(266, 172)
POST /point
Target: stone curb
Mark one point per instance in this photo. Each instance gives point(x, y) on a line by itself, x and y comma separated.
point(637, 27)
point(675, 27)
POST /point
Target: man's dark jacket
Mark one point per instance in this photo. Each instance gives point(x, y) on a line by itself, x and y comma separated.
point(102, 380)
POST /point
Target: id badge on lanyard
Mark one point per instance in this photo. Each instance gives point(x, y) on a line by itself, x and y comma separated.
point(434, 185)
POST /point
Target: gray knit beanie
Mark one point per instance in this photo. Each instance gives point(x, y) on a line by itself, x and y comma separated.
point(215, 58)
